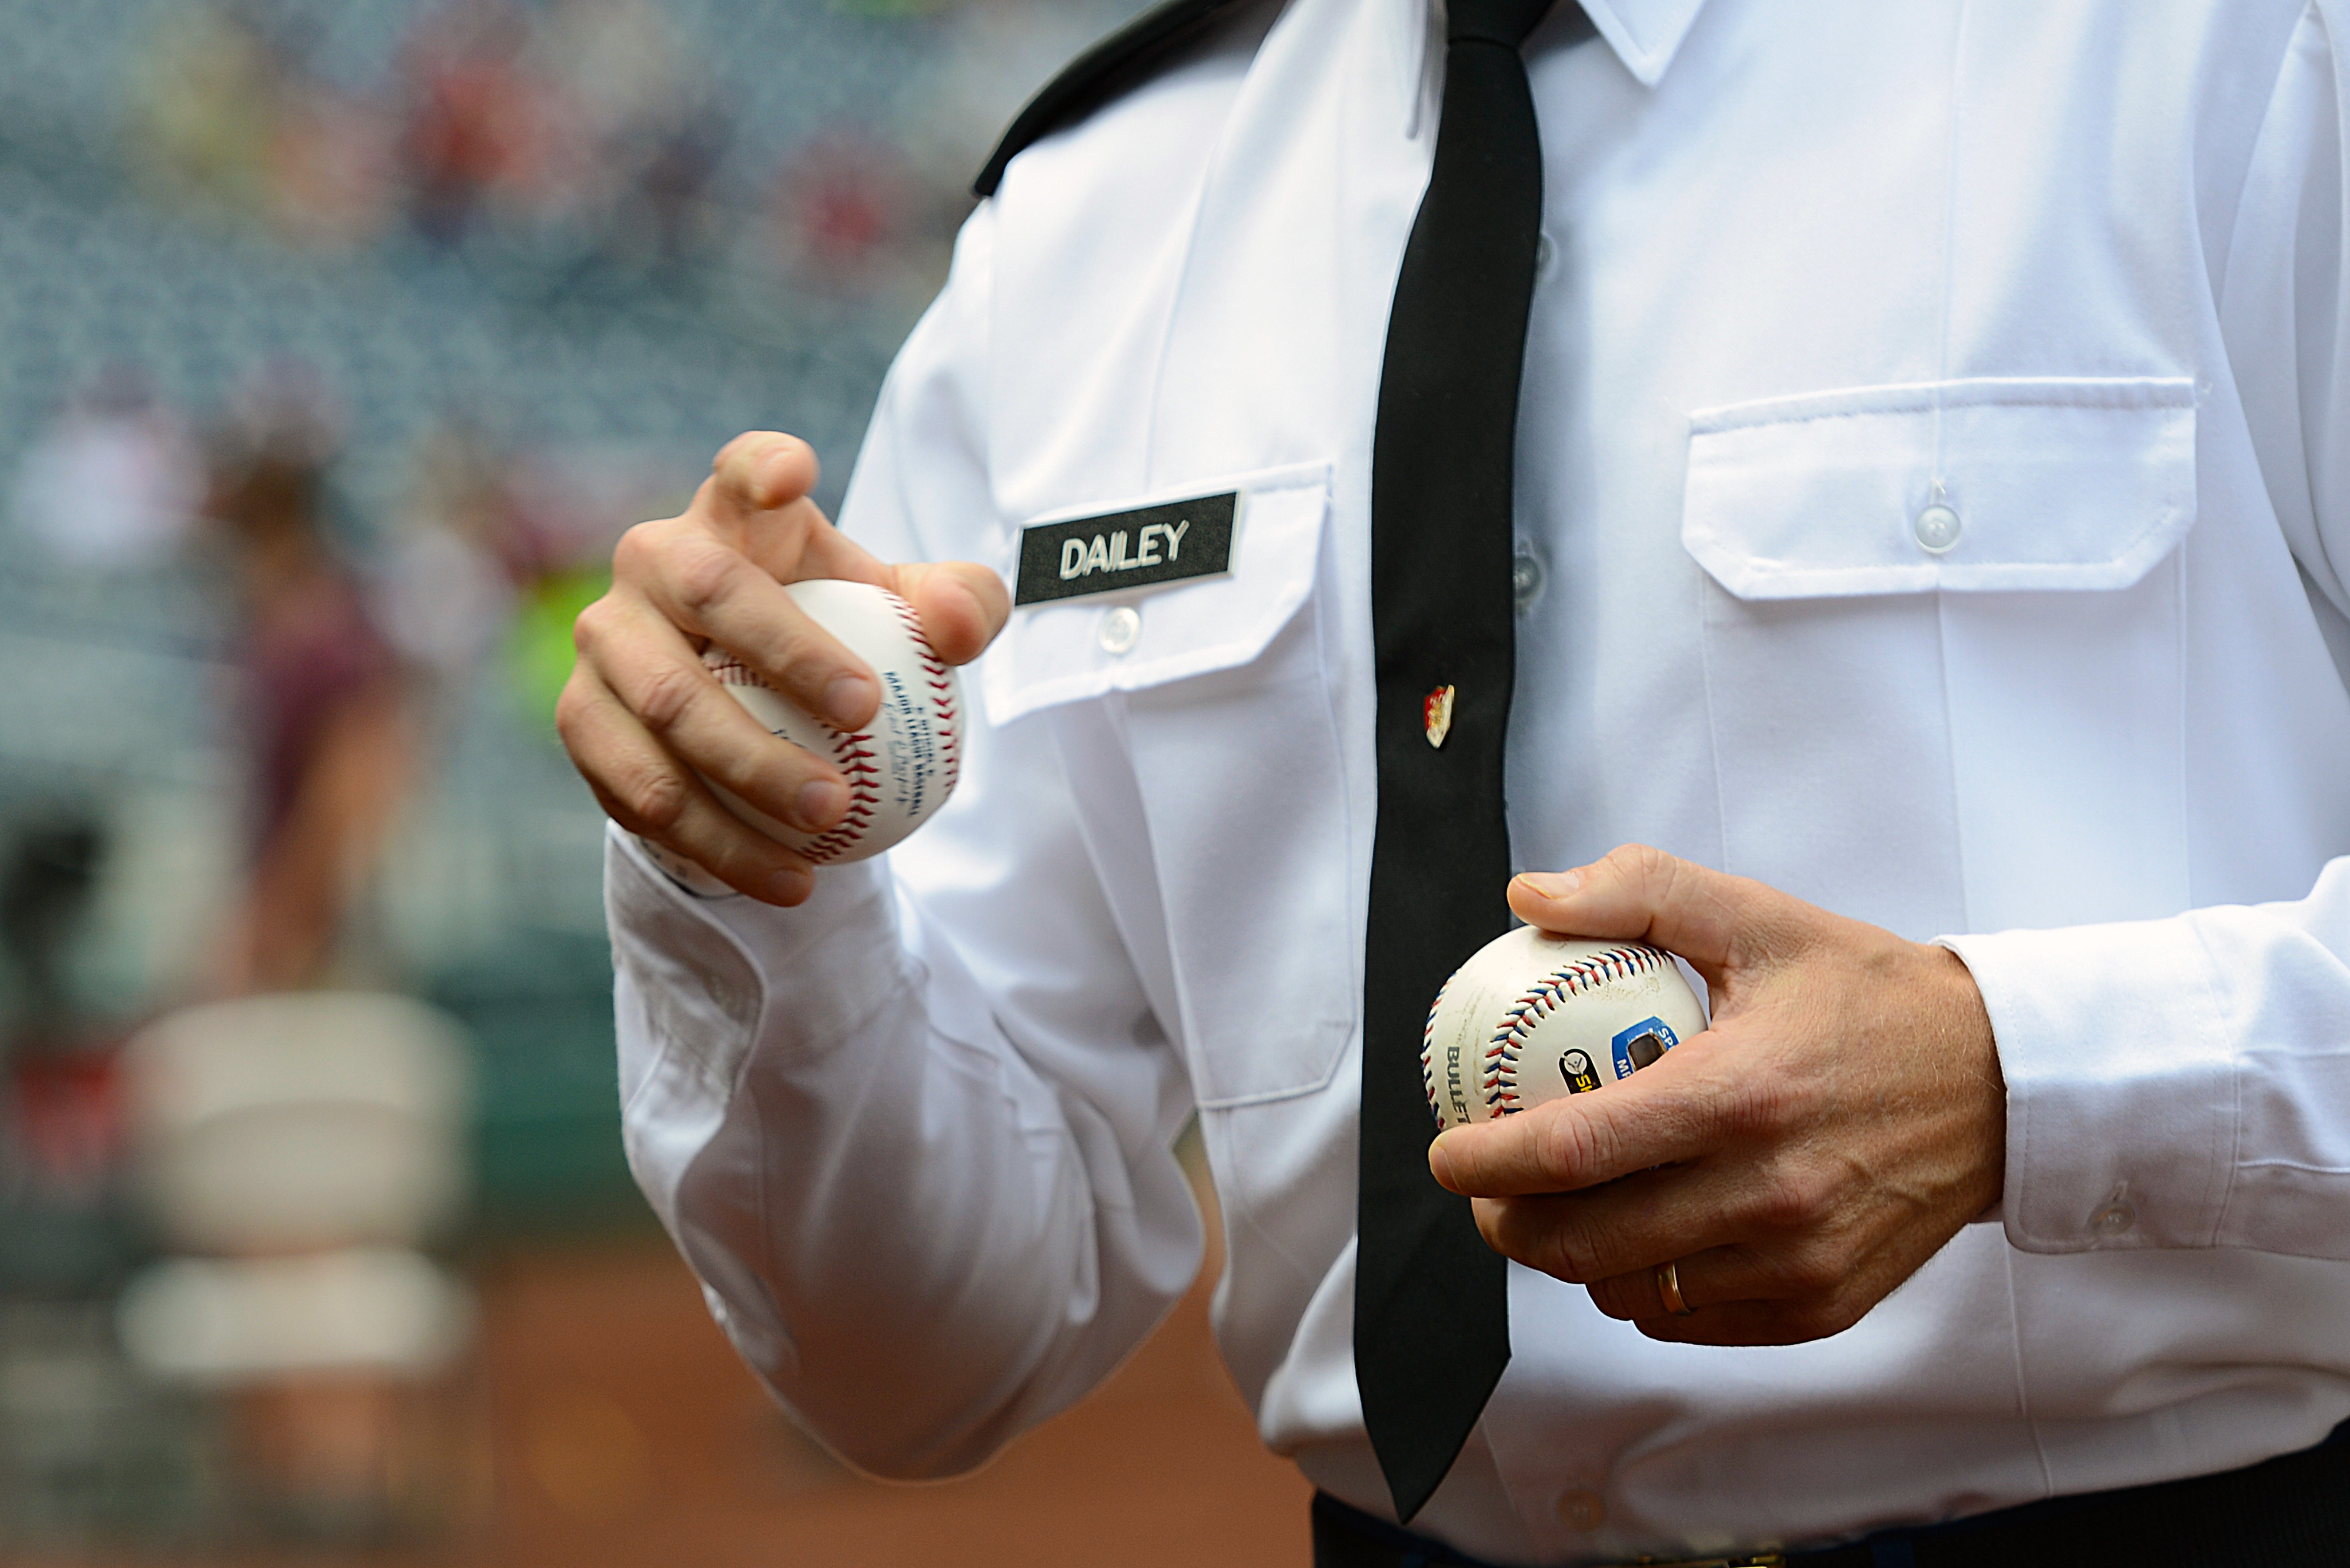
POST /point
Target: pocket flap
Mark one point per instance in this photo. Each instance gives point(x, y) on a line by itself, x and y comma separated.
point(2053, 483)
point(1067, 651)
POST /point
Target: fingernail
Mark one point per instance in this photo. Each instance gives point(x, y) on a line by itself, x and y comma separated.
point(790, 886)
point(767, 485)
point(1552, 884)
point(820, 804)
point(848, 700)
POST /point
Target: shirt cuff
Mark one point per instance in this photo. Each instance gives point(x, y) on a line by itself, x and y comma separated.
point(681, 871)
point(837, 956)
point(2121, 1103)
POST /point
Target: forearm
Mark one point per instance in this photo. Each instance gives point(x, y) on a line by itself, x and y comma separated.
point(920, 1241)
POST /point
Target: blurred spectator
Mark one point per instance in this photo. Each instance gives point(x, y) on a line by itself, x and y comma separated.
point(114, 482)
point(330, 168)
point(474, 135)
point(647, 141)
point(204, 103)
point(226, 112)
point(325, 706)
point(447, 588)
point(845, 205)
point(47, 882)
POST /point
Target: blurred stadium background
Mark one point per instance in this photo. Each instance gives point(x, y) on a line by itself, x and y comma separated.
point(339, 339)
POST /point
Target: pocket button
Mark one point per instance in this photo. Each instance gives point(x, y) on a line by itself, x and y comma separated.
point(1581, 1509)
point(1937, 529)
point(1121, 629)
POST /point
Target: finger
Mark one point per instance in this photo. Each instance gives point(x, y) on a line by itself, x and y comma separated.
point(1714, 1277)
point(702, 583)
point(1618, 1230)
point(647, 791)
point(648, 669)
point(1722, 1276)
point(758, 471)
point(1675, 1110)
point(756, 499)
point(1754, 1323)
point(962, 605)
point(1712, 918)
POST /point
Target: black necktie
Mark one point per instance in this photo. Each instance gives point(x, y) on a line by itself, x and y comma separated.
point(1432, 1306)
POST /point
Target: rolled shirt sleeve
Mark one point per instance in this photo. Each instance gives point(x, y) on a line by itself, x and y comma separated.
point(2185, 1083)
point(2178, 1082)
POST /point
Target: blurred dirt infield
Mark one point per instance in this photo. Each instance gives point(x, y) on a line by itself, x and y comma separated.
point(617, 1429)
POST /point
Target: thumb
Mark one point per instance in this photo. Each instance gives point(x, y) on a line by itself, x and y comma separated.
point(962, 605)
point(1639, 894)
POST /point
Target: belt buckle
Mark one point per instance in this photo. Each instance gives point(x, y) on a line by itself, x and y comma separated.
point(1736, 1560)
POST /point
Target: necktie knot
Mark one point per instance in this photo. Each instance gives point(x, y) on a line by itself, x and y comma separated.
point(1502, 22)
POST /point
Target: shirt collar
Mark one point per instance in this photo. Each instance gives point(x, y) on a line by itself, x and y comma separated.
point(1645, 34)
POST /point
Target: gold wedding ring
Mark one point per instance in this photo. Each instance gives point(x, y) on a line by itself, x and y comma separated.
point(1668, 1285)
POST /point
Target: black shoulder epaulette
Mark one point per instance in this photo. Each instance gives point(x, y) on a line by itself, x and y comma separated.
point(1093, 78)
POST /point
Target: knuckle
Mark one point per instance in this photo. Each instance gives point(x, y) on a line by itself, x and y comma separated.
point(638, 554)
point(654, 798)
point(1614, 1298)
point(1567, 1146)
point(1568, 1250)
point(1811, 1273)
point(701, 577)
point(1754, 1106)
point(666, 696)
point(587, 626)
point(1784, 1197)
point(572, 707)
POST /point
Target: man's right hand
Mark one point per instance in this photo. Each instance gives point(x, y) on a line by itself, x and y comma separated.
point(642, 718)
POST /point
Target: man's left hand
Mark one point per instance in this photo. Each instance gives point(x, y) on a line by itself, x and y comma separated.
point(1840, 1121)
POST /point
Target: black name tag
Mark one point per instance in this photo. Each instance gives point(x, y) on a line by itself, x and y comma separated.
point(1138, 549)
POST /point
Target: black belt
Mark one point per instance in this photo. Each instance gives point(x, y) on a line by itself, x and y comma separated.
point(2293, 1512)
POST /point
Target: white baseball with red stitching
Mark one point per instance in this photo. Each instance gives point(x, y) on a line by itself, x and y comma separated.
point(1533, 1017)
point(901, 766)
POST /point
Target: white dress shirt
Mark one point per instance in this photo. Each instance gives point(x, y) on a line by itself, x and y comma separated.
point(1935, 461)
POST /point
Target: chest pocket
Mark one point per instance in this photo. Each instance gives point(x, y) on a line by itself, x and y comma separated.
point(1197, 723)
point(1942, 631)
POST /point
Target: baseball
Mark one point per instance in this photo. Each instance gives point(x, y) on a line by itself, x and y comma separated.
point(1532, 1016)
point(900, 767)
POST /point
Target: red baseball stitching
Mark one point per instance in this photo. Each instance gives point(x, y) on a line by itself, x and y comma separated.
point(1540, 1000)
point(941, 684)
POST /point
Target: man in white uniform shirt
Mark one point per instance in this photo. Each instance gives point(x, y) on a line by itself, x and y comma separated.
point(1932, 508)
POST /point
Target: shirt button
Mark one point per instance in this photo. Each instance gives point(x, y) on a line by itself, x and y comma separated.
point(1581, 1509)
point(1525, 579)
point(1937, 529)
point(2113, 1219)
point(1543, 252)
point(1121, 629)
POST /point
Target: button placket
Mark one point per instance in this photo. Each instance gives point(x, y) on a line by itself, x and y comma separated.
point(1526, 577)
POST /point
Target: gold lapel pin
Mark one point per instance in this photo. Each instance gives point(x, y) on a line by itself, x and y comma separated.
point(1439, 710)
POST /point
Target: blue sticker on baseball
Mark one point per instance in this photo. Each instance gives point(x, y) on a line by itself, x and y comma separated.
point(1642, 1043)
